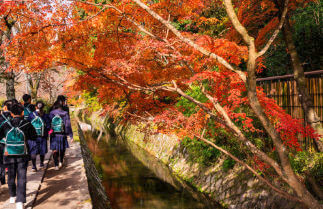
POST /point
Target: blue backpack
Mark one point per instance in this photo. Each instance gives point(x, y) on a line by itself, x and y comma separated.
point(27, 112)
point(38, 124)
point(58, 124)
point(15, 141)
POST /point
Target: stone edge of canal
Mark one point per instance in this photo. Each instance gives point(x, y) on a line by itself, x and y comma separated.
point(99, 198)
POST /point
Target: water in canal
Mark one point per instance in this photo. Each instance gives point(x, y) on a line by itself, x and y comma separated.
point(134, 179)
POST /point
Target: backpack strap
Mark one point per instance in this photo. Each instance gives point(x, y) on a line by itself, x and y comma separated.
point(28, 107)
point(22, 125)
point(8, 122)
point(5, 120)
point(4, 117)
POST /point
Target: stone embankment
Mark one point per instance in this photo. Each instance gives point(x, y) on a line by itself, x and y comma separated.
point(236, 188)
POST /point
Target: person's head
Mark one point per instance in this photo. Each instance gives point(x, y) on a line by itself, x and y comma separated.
point(57, 105)
point(14, 101)
point(17, 110)
point(7, 105)
point(26, 98)
point(61, 99)
point(40, 105)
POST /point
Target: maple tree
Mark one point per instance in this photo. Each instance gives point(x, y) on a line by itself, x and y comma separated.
point(253, 15)
point(24, 45)
point(133, 58)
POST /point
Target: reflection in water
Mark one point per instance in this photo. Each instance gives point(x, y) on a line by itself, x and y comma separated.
point(131, 185)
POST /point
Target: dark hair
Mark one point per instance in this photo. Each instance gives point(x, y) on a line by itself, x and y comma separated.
point(40, 105)
point(26, 97)
point(14, 101)
point(17, 109)
point(61, 98)
point(8, 104)
point(57, 105)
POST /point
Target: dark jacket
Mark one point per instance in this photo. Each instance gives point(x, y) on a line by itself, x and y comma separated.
point(31, 107)
point(29, 132)
point(4, 116)
point(66, 119)
point(65, 108)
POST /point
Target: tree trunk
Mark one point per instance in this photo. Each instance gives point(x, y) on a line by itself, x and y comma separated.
point(34, 92)
point(32, 84)
point(310, 115)
point(289, 174)
point(10, 86)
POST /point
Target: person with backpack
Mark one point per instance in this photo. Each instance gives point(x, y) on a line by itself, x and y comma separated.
point(5, 117)
point(16, 135)
point(41, 123)
point(63, 101)
point(61, 128)
point(28, 107)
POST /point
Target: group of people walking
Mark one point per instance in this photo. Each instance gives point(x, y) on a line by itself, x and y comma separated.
point(24, 132)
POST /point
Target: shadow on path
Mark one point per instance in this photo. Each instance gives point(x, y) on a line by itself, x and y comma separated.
point(60, 183)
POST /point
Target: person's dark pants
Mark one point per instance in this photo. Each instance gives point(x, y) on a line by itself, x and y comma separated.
point(19, 170)
point(33, 160)
point(42, 158)
point(58, 154)
point(2, 174)
point(2, 167)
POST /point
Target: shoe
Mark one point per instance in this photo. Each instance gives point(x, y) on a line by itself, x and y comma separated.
point(34, 170)
point(20, 205)
point(41, 165)
point(56, 168)
point(12, 200)
point(60, 165)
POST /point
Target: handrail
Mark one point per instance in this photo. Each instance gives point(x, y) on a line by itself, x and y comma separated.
point(317, 72)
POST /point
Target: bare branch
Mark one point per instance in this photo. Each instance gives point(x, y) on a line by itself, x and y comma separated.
point(190, 42)
point(167, 30)
point(279, 191)
point(279, 27)
point(236, 23)
point(229, 124)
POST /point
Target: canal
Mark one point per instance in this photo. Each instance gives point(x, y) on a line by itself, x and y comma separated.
point(134, 179)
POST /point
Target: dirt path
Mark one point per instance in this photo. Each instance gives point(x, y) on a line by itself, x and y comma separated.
point(66, 188)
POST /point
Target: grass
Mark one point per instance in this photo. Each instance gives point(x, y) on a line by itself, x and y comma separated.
point(75, 129)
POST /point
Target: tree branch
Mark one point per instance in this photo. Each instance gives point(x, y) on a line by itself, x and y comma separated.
point(279, 27)
point(190, 42)
point(229, 124)
point(279, 191)
point(236, 23)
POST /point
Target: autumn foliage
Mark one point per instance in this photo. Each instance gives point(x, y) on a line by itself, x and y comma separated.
point(107, 50)
point(130, 61)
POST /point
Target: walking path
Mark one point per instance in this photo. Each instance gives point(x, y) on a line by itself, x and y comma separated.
point(63, 189)
point(33, 184)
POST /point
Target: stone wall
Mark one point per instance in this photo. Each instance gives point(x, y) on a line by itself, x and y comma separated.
point(98, 195)
point(236, 188)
